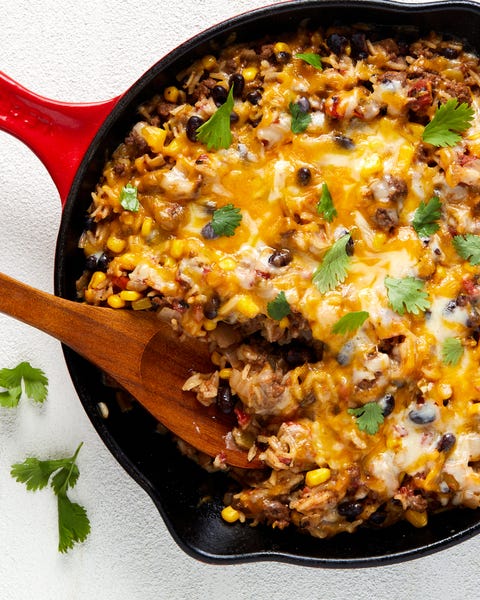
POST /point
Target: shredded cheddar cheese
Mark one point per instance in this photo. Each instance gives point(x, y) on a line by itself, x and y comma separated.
point(374, 422)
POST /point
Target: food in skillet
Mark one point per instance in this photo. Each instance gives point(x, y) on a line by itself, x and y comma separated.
point(310, 206)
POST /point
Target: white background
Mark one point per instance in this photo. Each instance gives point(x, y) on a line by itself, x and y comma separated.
point(87, 51)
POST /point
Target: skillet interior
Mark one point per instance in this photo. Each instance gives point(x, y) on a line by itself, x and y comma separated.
point(176, 485)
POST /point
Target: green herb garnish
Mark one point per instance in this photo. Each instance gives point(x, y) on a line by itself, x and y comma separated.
point(333, 268)
point(215, 133)
point(34, 381)
point(369, 417)
point(279, 307)
point(226, 219)
point(452, 351)
point(325, 205)
point(311, 58)
point(449, 121)
point(426, 217)
point(300, 118)
point(129, 198)
point(350, 322)
point(73, 523)
point(407, 295)
point(468, 247)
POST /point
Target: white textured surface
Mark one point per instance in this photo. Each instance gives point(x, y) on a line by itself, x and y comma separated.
point(86, 51)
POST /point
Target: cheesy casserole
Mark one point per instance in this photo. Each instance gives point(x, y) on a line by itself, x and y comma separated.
point(285, 201)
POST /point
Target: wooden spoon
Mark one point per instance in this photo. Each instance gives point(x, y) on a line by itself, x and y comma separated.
point(142, 353)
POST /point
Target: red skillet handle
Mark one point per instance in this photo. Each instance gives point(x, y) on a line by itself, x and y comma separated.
point(58, 132)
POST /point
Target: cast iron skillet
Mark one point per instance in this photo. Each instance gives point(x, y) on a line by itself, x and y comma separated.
point(188, 498)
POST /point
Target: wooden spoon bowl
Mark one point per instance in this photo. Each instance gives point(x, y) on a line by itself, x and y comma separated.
point(143, 354)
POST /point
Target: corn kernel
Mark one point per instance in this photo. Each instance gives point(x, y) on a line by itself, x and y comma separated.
point(371, 165)
point(249, 74)
point(404, 157)
point(209, 325)
point(97, 279)
point(155, 137)
point(146, 229)
point(173, 148)
point(168, 262)
point(216, 358)
point(176, 248)
point(209, 62)
point(89, 296)
point(130, 295)
point(225, 373)
point(115, 244)
point(230, 515)
point(128, 261)
point(281, 47)
point(171, 94)
point(284, 323)
point(228, 264)
point(379, 240)
point(415, 518)
point(247, 306)
point(317, 476)
point(115, 301)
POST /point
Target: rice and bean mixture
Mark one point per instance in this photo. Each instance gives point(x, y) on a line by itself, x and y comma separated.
point(310, 207)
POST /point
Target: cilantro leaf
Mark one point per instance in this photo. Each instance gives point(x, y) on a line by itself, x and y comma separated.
point(407, 295)
point(350, 322)
point(426, 217)
point(279, 307)
point(369, 417)
point(129, 198)
point(73, 523)
point(333, 268)
point(311, 58)
point(325, 205)
point(468, 247)
point(449, 121)
point(215, 132)
point(452, 351)
point(226, 219)
point(34, 381)
point(300, 118)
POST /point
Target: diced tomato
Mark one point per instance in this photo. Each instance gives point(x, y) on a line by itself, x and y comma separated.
point(243, 418)
point(120, 282)
point(421, 95)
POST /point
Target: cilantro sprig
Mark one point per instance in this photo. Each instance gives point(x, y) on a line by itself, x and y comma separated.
point(450, 120)
point(452, 351)
point(350, 322)
point(426, 217)
point(63, 473)
point(406, 294)
point(278, 308)
point(468, 247)
point(300, 118)
point(129, 198)
point(369, 417)
point(325, 205)
point(333, 269)
point(225, 220)
point(315, 60)
point(215, 133)
point(33, 380)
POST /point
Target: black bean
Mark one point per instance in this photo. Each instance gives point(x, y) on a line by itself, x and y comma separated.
point(349, 248)
point(387, 404)
point(359, 46)
point(102, 262)
point(343, 141)
point(378, 517)
point(89, 224)
point(219, 94)
point(304, 104)
point(254, 97)
point(238, 82)
point(283, 57)
point(280, 258)
point(91, 263)
point(299, 355)
point(350, 509)
point(337, 43)
point(446, 443)
point(423, 415)
point(225, 399)
point(208, 232)
point(451, 306)
point(193, 124)
point(344, 357)
point(210, 309)
point(449, 52)
point(304, 175)
point(234, 118)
